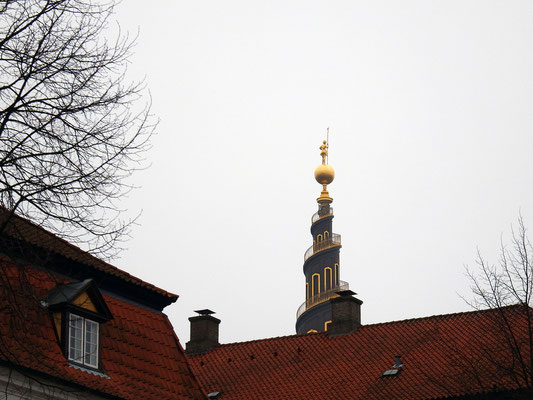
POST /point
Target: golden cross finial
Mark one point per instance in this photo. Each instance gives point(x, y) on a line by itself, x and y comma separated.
point(324, 151)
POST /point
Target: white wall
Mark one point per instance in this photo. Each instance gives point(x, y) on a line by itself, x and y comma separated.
point(17, 386)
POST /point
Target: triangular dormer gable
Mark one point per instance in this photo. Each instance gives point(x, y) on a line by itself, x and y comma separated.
point(83, 298)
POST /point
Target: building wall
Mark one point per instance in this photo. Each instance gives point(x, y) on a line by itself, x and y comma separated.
point(17, 386)
point(317, 264)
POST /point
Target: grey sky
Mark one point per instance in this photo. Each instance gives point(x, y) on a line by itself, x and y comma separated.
point(429, 107)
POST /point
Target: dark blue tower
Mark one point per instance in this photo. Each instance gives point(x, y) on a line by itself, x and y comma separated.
point(321, 260)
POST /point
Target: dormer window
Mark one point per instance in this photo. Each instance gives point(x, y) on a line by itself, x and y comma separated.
point(78, 310)
point(83, 340)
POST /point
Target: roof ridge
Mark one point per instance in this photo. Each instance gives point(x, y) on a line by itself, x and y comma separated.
point(270, 339)
point(486, 310)
point(274, 338)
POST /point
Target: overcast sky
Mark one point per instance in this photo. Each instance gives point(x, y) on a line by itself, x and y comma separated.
point(429, 105)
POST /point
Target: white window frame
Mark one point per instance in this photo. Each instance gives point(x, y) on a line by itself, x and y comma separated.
point(85, 359)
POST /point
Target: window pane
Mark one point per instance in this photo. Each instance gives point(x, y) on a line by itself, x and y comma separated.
point(75, 338)
point(91, 343)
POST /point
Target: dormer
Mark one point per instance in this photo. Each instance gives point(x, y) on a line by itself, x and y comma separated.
point(77, 310)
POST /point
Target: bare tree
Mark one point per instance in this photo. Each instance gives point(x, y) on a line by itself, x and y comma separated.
point(71, 129)
point(507, 288)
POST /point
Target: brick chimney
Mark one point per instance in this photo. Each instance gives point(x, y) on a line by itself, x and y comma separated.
point(345, 313)
point(204, 333)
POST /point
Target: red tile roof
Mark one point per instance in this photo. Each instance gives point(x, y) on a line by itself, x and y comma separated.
point(21, 228)
point(141, 356)
point(444, 356)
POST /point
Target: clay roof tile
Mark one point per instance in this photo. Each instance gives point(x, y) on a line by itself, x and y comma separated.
point(436, 352)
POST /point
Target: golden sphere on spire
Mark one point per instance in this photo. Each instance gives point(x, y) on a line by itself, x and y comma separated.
point(324, 174)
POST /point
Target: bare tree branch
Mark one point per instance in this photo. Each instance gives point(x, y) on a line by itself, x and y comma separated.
point(71, 131)
point(509, 284)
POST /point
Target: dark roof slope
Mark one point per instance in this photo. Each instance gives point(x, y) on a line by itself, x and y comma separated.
point(443, 356)
point(22, 229)
point(66, 293)
point(141, 356)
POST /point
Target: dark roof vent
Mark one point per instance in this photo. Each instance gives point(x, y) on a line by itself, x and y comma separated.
point(396, 368)
point(398, 362)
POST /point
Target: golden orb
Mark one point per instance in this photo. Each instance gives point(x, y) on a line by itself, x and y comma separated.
point(324, 174)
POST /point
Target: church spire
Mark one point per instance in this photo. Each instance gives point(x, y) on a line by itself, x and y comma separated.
point(321, 260)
